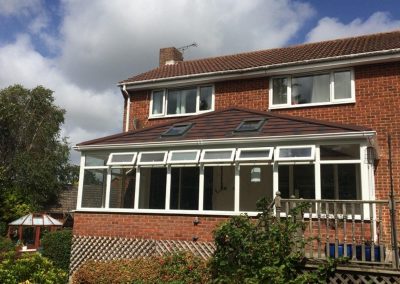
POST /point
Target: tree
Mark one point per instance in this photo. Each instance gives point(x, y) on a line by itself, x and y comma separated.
point(33, 155)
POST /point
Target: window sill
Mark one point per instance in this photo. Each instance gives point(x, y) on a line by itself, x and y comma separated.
point(178, 115)
point(271, 107)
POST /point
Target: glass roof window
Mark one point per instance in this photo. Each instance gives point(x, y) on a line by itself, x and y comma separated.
point(177, 130)
point(250, 125)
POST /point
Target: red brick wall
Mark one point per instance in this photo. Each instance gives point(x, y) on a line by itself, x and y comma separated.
point(145, 226)
point(377, 106)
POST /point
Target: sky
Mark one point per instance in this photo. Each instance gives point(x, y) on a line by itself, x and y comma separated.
point(81, 49)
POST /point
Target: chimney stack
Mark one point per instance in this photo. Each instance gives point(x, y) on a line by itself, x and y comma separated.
point(169, 56)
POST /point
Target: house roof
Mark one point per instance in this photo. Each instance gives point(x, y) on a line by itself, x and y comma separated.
point(360, 46)
point(222, 124)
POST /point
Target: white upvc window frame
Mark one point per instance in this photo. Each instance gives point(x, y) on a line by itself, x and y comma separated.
point(228, 160)
point(290, 159)
point(165, 102)
point(332, 100)
point(132, 162)
point(159, 163)
point(195, 161)
point(240, 150)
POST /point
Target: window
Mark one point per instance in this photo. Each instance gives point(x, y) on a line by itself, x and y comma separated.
point(96, 159)
point(152, 188)
point(313, 89)
point(177, 129)
point(183, 157)
point(94, 188)
point(292, 153)
point(122, 190)
point(152, 158)
point(340, 152)
point(185, 188)
point(250, 191)
point(217, 155)
point(254, 154)
point(340, 181)
point(219, 188)
point(250, 125)
point(297, 180)
point(121, 159)
point(186, 101)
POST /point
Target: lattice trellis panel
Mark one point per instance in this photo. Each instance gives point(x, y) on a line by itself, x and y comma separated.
point(371, 278)
point(107, 248)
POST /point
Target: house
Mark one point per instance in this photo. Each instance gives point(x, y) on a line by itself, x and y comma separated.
point(204, 139)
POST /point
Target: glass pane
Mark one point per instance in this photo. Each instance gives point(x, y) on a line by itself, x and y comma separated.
point(94, 188)
point(205, 98)
point(279, 91)
point(342, 85)
point(250, 125)
point(254, 154)
point(295, 152)
point(340, 152)
point(122, 158)
point(217, 155)
point(158, 102)
point(96, 158)
point(219, 188)
point(172, 103)
point(182, 101)
point(177, 130)
point(297, 180)
point(184, 156)
point(253, 189)
point(152, 157)
point(340, 181)
point(185, 188)
point(311, 89)
point(122, 192)
point(152, 188)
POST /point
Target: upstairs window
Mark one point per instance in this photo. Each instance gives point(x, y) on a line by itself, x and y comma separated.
point(313, 89)
point(185, 101)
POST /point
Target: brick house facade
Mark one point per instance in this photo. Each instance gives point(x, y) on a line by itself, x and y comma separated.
point(374, 63)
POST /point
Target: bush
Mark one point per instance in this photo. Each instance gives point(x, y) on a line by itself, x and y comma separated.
point(29, 268)
point(264, 250)
point(57, 247)
point(174, 268)
point(5, 245)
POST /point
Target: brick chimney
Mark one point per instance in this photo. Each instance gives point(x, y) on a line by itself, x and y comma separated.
point(169, 56)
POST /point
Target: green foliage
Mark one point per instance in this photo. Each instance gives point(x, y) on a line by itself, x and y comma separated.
point(29, 267)
point(175, 268)
point(57, 247)
point(263, 250)
point(33, 157)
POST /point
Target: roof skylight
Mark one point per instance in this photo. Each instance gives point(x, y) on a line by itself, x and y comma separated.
point(249, 125)
point(177, 129)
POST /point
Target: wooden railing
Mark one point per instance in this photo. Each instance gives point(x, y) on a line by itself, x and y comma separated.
point(357, 229)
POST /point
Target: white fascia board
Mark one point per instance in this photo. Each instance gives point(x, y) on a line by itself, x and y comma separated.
point(269, 70)
point(250, 140)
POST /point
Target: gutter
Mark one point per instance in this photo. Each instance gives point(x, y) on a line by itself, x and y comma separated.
point(224, 141)
point(367, 57)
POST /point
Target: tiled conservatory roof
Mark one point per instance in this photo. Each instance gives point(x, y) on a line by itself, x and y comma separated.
point(222, 124)
point(360, 46)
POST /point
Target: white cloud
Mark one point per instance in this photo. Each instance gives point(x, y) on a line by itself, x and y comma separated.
point(332, 28)
point(89, 114)
point(121, 38)
point(19, 7)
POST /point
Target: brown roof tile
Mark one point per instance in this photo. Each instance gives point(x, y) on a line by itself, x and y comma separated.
point(221, 124)
point(328, 50)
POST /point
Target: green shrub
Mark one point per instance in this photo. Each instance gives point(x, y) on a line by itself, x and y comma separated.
point(5, 245)
point(263, 250)
point(29, 267)
point(57, 247)
point(174, 268)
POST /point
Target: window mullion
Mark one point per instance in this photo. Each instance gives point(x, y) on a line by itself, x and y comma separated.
point(237, 188)
point(201, 187)
point(108, 188)
point(81, 181)
point(168, 188)
point(317, 173)
point(332, 87)
point(137, 188)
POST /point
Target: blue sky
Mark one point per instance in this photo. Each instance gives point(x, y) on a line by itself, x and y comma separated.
point(81, 49)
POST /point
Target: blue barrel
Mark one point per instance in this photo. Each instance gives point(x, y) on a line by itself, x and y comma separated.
point(340, 250)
